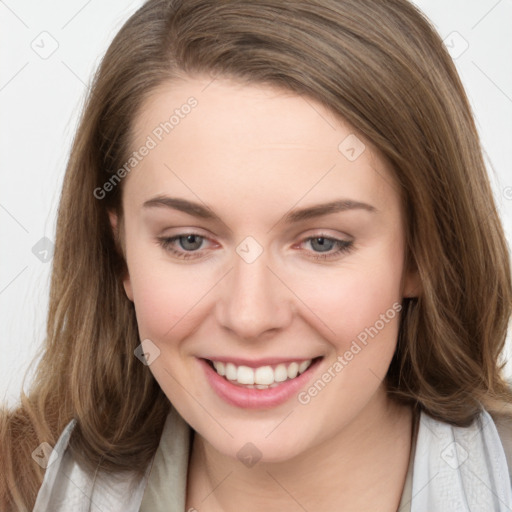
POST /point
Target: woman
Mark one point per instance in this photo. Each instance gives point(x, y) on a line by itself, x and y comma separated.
point(276, 218)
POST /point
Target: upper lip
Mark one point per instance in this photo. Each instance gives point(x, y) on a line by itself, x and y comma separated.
point(256, 363)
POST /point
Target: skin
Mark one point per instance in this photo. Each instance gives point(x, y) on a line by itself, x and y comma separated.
point(251, 154)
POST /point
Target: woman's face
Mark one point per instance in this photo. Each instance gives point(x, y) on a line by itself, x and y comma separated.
point(271, 277)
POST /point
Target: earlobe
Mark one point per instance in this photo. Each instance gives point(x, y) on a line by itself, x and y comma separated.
point(113, 223)
point(115, 232)
point(412, 285)
point(128, 287)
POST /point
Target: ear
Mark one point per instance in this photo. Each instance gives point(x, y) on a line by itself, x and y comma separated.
point(115, 231)
point(412, 286)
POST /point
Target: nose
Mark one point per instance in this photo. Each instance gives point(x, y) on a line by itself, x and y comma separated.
point(253, 299)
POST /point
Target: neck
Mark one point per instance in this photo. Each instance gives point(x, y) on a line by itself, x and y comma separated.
point(362, 467)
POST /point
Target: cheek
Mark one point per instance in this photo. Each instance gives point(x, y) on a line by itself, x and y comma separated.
point(344, 300)
point(348, 301)
point(167, 296)
point(361, 309)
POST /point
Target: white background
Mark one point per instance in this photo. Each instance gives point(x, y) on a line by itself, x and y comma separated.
point(40, 99)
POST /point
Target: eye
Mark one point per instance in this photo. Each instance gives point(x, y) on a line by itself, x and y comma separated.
point(325, 245)
point(188, 243)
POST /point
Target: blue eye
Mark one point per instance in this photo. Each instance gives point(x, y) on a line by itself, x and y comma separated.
point(186, 241)
point(326, 244)
point(189, 242)
point(189, 245)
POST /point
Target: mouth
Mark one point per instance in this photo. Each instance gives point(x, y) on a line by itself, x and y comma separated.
point(258, 386)
point(261, 377)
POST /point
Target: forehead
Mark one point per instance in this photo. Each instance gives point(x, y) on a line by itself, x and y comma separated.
point(224, 137)
point(234, 112)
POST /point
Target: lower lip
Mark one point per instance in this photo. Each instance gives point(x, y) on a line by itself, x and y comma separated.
point(252, 398)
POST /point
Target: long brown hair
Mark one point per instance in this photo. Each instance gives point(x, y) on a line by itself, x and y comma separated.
point(394, 82)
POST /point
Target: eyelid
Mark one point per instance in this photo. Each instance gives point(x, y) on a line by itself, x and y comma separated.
point(326, 233)
point(344, 246)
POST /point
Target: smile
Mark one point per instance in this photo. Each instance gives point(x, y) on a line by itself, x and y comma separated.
point(256, 385)
point(262, 377)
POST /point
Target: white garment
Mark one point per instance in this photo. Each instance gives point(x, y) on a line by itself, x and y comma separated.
point(68, 487)
point(460, 469)
point(455, 470)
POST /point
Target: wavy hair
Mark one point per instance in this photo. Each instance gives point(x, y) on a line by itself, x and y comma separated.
point(395, 83)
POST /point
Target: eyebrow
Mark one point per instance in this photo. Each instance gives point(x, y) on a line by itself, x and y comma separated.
point(317, 210)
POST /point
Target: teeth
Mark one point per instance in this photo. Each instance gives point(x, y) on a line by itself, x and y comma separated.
point(280, 373)
point(262, 377)
point(230, 371)
point(220, 368)
point(293, 370)
point(245, 375)
point(304, 366)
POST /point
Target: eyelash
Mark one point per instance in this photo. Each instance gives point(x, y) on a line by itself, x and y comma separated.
point(344, 246)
